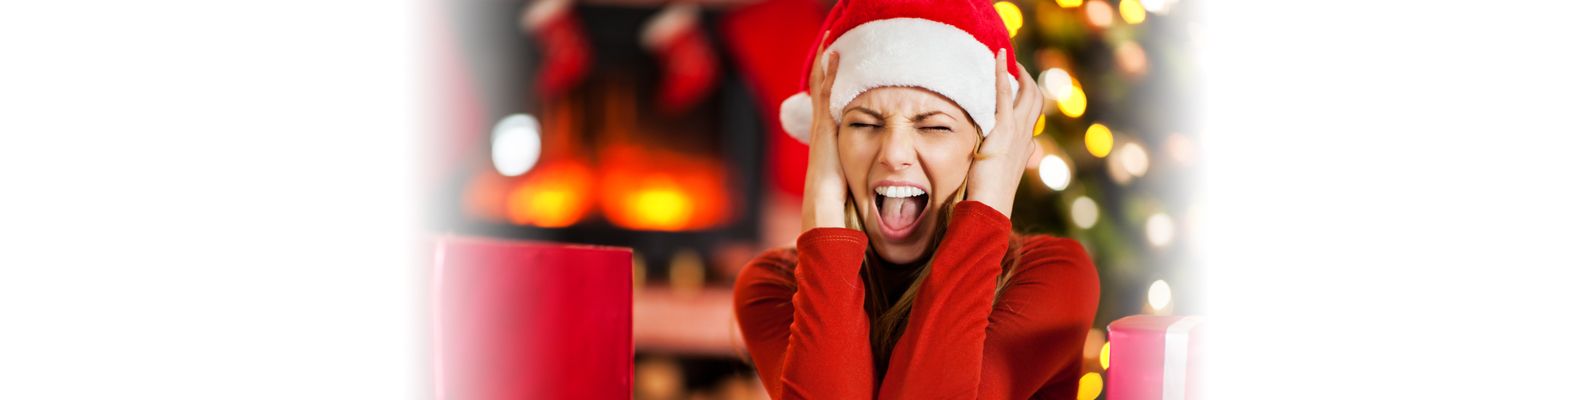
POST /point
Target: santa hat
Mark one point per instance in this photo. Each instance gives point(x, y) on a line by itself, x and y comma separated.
point(945, 46)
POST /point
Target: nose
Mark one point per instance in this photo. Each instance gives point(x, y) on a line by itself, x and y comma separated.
point(897, 149)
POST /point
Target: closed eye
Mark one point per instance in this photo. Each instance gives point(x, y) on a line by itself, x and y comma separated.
point(862, 125)
point(937, 128)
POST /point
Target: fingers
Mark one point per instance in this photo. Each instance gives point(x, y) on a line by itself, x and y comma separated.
point(815, 73)
point(1004, 92)
point(821, 97)
point(830, 74)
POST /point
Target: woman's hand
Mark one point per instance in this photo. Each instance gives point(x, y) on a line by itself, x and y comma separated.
point(824, 190)
point(1003, 155)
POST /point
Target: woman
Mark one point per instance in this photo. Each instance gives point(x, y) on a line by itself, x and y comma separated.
point(907, 281)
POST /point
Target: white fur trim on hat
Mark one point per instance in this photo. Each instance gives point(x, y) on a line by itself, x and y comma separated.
point(797, 113)
point(918, 53)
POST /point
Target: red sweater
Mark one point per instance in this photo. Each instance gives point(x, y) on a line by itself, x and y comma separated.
point(802, 315)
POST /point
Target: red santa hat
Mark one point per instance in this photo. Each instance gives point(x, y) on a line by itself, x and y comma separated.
point(945, 46)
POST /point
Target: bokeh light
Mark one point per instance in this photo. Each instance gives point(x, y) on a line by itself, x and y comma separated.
point(1074, 105)
point(1098, 140)
point(1131, 58)
point(1131, 11)
point(1159, 295)
point(1103, 357)
point(1180, 148)
point(1068, 3)
point(1098, 13)
point(1159, 229)
point(516, 144)
point(1090, 386)
point(1159, 7)
point(1083, 211)
point(1133, 158)
point(1056, 84)
point(554, 196)
point(1011, 16)
point(1054, 172)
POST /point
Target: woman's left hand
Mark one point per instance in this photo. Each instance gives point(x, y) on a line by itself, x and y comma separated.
point(1004, 154)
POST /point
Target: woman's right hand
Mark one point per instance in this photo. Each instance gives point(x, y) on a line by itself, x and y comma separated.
point(824, 190)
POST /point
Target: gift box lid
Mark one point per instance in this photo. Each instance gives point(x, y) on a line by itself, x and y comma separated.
point(1154, 357)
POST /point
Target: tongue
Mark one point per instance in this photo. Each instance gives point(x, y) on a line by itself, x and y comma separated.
point(899, 213)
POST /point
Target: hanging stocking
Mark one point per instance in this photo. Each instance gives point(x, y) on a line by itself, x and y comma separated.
point(567, 55)
point(687, 60)
point(769, 41)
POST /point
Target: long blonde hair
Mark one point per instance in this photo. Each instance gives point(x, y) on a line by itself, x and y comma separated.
point(888, 318)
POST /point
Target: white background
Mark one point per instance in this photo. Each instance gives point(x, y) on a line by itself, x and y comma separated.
point(1399, 199)
point(210, 200)
point(218, 199)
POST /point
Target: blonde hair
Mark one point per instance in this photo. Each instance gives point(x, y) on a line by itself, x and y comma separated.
point(888, 318)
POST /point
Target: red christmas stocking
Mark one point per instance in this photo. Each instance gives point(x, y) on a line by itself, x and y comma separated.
point(690, 69)
point(567, 55)
point(769, 41)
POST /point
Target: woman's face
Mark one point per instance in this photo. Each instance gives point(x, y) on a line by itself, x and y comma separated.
point(904, 151)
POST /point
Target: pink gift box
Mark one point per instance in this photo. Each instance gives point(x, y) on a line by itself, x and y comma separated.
point(1154, 358)
point(531, 320)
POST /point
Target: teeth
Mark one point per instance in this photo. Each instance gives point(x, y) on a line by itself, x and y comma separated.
point(898, 191)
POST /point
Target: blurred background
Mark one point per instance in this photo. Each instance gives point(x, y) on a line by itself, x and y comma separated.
point(219, 199)
point(652, 125)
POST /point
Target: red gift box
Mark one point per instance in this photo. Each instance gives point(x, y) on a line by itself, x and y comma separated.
point(527, 320)
point(1154, 358)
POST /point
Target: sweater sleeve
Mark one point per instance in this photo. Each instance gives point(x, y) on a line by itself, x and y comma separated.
point(815, 346)
point(939, 355)
point(1038, 328)
point(958, 345)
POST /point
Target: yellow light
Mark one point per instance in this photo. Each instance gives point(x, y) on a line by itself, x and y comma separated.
point(1098, 140)
point(662, 207)
point(552, 197)
point(1041, 124)
point(1011, 17)
point(1104, 356)
point(1090, 386)
point(1159, 295)
point(544, 206)
point(1131, 11)
point(1074, 105)
point(1069, 3)
point(1098, 13)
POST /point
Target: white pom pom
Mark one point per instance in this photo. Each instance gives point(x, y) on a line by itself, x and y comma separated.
point(797, 113)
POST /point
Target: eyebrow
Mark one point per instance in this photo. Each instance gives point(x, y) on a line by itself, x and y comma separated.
point(877, 114)
point(922, 116)
point(872, 113)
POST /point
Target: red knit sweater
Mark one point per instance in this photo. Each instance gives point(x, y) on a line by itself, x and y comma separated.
point(802, 315)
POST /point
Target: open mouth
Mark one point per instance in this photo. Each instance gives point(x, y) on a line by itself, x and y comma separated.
point(900, 207)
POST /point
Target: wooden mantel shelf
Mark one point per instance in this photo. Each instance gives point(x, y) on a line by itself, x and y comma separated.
point(682, 323)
